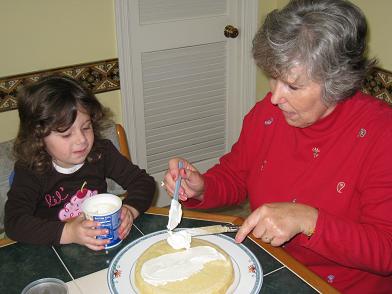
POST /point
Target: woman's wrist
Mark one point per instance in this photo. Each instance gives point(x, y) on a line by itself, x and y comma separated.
point(310, 225)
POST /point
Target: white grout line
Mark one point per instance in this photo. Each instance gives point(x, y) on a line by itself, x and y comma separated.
point(275, 270)
point(138, 229)
point(73, 280)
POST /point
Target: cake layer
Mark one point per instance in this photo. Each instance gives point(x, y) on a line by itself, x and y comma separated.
point(215, 276)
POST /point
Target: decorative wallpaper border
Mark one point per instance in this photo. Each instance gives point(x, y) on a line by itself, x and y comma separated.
point(378, 83)
point(104, 76)
point(100, 76)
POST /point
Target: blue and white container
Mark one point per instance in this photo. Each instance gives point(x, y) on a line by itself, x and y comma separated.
point(105, 209)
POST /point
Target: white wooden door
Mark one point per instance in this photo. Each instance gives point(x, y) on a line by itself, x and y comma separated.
point(185, 86)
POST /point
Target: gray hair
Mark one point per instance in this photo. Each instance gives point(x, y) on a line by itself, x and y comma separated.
point(326, 37)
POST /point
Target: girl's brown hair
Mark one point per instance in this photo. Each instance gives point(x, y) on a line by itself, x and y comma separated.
point(51, 104)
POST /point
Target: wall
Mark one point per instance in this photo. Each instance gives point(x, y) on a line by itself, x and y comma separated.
point(44, 34)
point(378, 14)
point(265, 6)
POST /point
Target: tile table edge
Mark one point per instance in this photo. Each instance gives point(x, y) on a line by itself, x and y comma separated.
point(282, 256)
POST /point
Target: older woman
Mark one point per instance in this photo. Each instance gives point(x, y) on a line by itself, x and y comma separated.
point(315, 155)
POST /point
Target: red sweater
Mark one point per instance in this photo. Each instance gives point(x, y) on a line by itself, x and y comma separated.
point(341, 165)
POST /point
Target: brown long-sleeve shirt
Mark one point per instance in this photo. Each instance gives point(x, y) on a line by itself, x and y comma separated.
point(38, 205)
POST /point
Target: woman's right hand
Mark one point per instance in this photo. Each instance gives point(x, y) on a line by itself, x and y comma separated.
point(277, 223)
point(192, 184)
point(83, 231)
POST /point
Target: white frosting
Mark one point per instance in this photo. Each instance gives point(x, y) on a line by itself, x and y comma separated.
point(179, 240)
point(175, 214)
point(178, 266)
point(101, 208)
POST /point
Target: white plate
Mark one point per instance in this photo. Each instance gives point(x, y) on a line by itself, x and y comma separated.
point(248, 274)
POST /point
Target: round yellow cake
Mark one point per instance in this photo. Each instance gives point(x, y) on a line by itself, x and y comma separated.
point(215, 277)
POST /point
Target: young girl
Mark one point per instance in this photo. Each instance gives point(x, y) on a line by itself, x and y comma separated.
point(61, 159)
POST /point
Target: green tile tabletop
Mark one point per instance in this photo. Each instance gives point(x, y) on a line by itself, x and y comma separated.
point(21, 264)
point(82, 261)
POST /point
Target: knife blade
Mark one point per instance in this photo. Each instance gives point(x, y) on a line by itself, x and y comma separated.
point(210, 230)
point(175, 211)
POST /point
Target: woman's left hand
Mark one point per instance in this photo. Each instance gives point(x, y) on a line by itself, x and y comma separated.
point(276, 223)
point(127, 216)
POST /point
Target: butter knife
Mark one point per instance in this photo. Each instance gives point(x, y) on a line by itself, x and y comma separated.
point(210, 230)
point(175, 211)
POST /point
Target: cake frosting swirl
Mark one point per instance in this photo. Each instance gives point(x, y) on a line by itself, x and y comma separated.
point(179, 265)
point(203, 268)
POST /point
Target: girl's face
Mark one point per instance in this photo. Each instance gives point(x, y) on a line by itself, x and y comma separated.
point(300, 99)
point(71, 147)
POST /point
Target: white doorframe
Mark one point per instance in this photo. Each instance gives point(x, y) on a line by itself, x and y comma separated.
point(245, 94)
point(125, 66)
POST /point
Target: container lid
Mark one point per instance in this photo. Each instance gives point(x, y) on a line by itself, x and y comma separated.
point(46, 286)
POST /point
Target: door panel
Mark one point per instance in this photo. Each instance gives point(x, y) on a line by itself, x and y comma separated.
point(169, 10)
point(181, 80)
point(184, 89)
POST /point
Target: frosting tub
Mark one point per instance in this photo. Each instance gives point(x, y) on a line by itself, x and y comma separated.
point(105, 209)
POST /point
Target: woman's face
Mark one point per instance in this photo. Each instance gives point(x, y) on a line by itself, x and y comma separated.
point(299, 98)
point(72, 146)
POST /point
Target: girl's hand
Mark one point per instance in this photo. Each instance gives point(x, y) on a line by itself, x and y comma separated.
point(127, 216)
point(82, 231)
point(277, 223)
point(192, 185)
